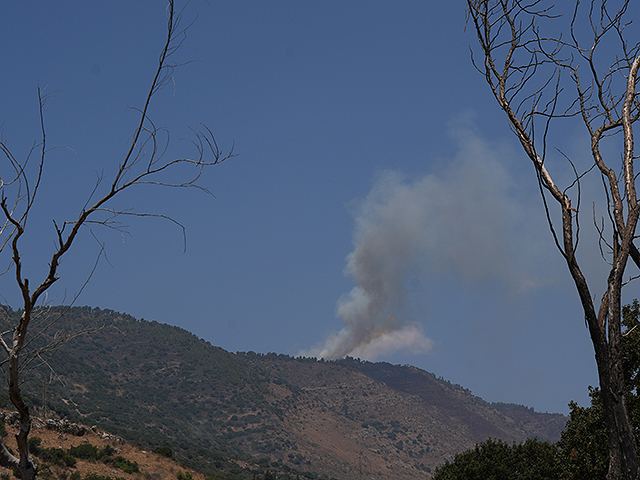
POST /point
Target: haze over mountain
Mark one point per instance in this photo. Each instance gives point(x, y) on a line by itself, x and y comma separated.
point(156, 385)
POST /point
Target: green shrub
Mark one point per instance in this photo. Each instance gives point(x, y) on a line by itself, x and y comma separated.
point(164, 451)
point(56, 456)
point(184, 476)
point(123, 464)
point(107, 451)
point(85, 451)
point(33, 444)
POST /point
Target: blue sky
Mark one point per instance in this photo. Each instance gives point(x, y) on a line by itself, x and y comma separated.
point(366, 143)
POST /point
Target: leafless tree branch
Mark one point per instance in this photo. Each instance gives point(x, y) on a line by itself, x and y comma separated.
point(539, 79)
point(145, 163)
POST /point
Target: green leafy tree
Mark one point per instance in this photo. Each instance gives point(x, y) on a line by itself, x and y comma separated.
point(497, 460)
point(583, 445)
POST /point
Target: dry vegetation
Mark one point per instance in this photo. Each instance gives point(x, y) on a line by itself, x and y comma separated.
point(151, 465)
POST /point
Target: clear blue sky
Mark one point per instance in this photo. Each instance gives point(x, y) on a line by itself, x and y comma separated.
point(359, 127)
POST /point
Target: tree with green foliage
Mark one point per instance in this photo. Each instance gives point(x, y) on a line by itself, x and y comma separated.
point(583, 444)
point(497, 460)
point(143, 164)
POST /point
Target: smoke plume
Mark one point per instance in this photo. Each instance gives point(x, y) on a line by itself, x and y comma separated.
point(460, 222)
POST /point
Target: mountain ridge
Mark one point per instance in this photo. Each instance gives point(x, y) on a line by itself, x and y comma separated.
point(157, 384)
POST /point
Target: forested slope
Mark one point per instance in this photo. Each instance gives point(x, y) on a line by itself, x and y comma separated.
point(156, 384)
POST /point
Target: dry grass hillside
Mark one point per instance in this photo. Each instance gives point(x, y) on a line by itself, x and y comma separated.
point(382, 421)
point(151, 466)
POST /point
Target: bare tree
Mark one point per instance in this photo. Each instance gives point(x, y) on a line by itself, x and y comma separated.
point(145, 163)
point(588, 74)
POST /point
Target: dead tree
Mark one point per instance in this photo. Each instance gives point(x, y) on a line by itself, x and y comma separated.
point(143, 164)
point(585, 71)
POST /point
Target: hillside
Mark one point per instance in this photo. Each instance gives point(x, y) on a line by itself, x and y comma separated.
point(154, 384)
point(56, 439)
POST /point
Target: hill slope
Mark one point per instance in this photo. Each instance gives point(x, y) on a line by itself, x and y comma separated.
point(57, 459)
point(156, 384)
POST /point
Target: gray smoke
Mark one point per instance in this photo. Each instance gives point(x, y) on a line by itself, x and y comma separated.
point(461, 222)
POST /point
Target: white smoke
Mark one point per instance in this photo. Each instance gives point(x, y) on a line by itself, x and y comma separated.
point(462, 221)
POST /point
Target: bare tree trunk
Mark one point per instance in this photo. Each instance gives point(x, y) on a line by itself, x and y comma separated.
point(622, 445)
point(25, 465)
point(523, 67)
